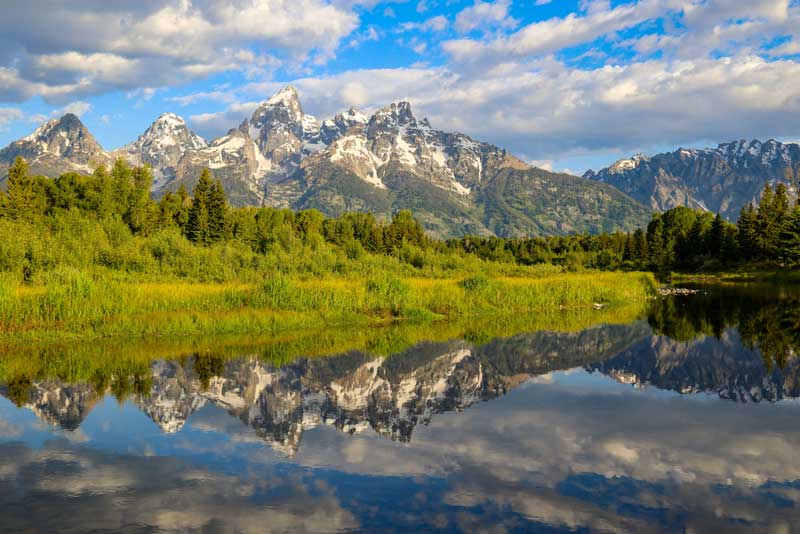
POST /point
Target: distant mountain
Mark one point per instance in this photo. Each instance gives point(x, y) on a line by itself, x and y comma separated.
point(284, 157)
point(162, 146)
point(722, 179)
point(58, 146)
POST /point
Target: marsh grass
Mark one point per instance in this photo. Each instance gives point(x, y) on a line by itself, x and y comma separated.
point(74, 304)
point(102, 361)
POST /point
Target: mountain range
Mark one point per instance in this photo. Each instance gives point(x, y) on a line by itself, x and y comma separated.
point(380, 163)
point(722, 180)
point(282, 157)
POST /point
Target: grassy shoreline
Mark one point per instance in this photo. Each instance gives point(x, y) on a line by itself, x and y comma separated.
point(75, 360)
point(81, 307)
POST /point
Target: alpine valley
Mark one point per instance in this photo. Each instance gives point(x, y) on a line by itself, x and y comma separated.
point(283, 157)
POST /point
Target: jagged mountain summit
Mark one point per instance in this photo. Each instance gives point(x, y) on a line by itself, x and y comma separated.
point(390, 160)
point(722, 179)
point(377, 163)
point(162, 146)
point(58, 146)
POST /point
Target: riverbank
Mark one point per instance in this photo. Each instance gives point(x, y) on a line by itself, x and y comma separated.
point(80, 307)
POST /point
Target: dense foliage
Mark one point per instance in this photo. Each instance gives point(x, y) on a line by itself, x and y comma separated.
point(679, 239)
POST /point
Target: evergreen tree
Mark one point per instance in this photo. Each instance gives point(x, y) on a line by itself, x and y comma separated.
point(747, 236)
point(197, 226)
point(716, 237)
point(23, 201)
point(789, 238)
point(767, 224)
point(640, 248)
point(218, 225)
point(655, 238)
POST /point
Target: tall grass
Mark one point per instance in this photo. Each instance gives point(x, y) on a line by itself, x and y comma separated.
point(76, 304)
point(85, 360)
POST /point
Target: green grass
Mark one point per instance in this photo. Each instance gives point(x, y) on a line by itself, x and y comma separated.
point(75, 304)
point(75, 361)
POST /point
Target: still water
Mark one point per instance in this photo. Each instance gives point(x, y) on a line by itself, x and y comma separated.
point(684, 420)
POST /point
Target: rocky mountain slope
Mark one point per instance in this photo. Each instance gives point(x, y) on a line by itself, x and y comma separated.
point(58, 146)
point(722, 179)
point(381, 163)
point(391, 160)
point(162, 146)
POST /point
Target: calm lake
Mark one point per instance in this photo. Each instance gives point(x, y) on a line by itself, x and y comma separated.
point(683, 420)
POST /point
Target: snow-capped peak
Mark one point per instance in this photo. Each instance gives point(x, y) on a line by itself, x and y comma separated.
point(627, 164)
point(286, 96)
point(171, 120)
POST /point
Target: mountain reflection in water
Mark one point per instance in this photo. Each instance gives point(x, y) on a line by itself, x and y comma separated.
point(563, 444)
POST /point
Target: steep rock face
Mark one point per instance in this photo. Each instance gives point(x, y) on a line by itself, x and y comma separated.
point(58, 146)
point(722, 179)
point(234, 159)
point(162, 146)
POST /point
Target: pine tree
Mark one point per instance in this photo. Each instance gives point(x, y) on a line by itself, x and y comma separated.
point(747, 236)
point(716, 237)
point(767, 224)
point(789, 238)
point(197, 226)
point(23, 200)
point(655, 239)
point(218, 225)
point(640, 248)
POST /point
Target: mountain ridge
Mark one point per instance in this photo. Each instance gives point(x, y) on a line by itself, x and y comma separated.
point(378, 163)
point(722, 179)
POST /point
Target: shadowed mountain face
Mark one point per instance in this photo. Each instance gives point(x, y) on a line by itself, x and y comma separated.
point(738, 346)
point(722, 179)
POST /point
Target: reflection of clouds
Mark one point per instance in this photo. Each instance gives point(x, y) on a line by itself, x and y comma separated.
point(169, 494)
point(641, 449)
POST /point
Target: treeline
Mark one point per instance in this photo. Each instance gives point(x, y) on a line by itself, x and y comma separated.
point(204, 217)
point(679, 239)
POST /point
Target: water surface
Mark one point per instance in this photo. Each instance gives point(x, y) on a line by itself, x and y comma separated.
point(684, 420)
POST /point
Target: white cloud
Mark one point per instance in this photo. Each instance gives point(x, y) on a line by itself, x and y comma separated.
point(438, 23)
point(544, 110)
point(8, 115)
point(78, 108)
point(485, 15)
point(123, 45)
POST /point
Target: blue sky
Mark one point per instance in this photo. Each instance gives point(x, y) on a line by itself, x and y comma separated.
point(565, 84)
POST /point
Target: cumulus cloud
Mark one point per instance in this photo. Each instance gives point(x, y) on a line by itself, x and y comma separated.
point(484, 15)
point(546, 109)
point(8, 115)
point(125, 45)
